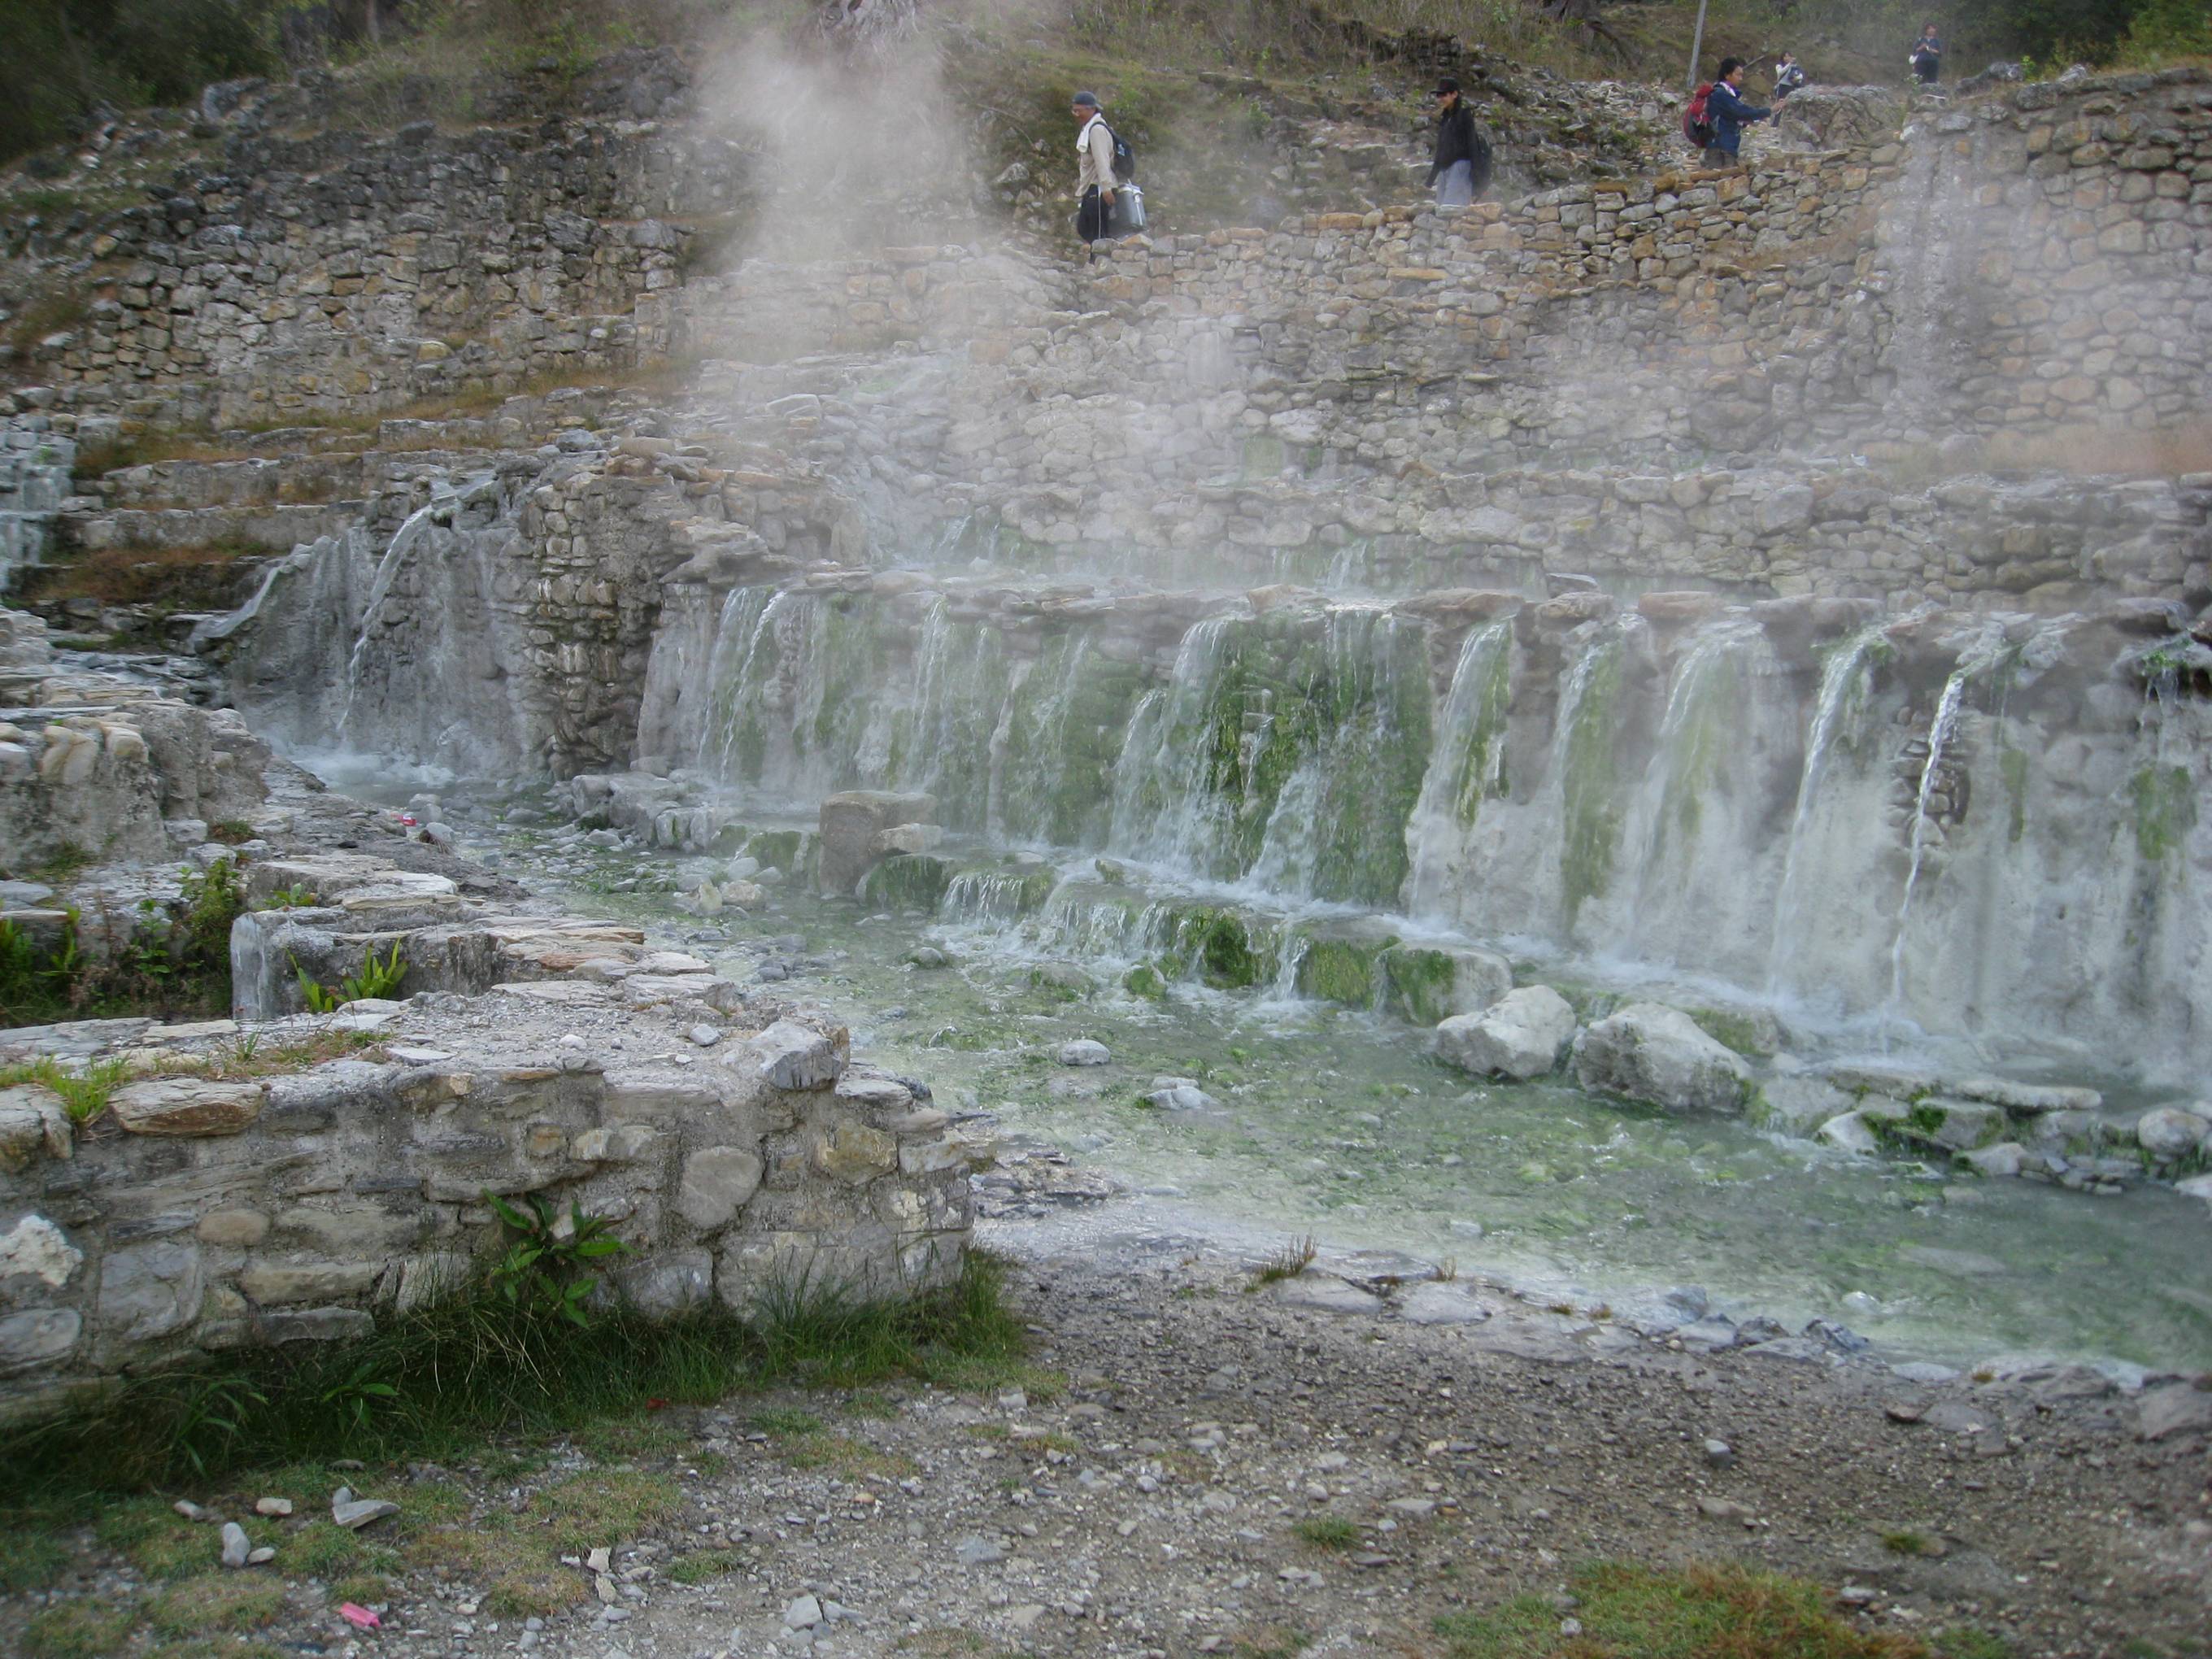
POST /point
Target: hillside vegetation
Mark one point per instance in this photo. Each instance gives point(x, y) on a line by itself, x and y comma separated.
point(69, 58)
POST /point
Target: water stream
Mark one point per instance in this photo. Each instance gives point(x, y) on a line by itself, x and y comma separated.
point(1336, 1121)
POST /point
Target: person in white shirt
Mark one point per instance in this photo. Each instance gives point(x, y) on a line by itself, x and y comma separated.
point(1094, 176)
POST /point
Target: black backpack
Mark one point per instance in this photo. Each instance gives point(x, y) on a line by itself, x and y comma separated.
point(1125, 159)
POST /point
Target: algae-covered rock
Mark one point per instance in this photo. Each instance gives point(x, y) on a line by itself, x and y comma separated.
point(1520, 1035)
point(1651, 1053)
point(1426, 985)
point(908, 881)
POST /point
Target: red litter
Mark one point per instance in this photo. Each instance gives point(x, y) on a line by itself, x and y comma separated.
point(361, 1616)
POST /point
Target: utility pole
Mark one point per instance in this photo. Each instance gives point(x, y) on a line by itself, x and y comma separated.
point(1697, 44)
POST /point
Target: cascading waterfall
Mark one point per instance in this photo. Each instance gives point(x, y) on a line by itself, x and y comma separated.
point(1706, 701)
point(1846, 678)
point(1467, 765)
point(1584, 772)
point(1941, 730)
point(379, 589)
point(1162, 808)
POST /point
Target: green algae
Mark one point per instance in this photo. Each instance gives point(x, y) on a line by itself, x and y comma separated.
point(1418, 983)
point(2164, 810)
point(1340, 971)
point(1590, 786)
point(908, 881)
point(1144, 981)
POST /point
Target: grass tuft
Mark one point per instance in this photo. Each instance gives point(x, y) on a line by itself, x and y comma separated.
point(1723, 1612)
point(473, 1366)
point(1327, 1532)
point(1293, 1259)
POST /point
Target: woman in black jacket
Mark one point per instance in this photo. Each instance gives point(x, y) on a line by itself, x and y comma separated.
point(1459, 169)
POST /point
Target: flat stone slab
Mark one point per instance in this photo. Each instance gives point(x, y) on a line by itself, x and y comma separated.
point(186, 1107)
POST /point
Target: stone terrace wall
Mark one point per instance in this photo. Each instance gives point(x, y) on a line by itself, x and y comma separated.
point(333, 275)
point(201, 1216)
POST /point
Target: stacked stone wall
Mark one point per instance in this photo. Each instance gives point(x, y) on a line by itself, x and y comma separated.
point(330, 276)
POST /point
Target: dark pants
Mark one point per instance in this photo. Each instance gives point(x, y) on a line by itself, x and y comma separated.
point(1926, 67)
point(1094, 220)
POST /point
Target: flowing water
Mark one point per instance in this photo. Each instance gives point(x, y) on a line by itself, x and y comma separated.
point(1335, 1121)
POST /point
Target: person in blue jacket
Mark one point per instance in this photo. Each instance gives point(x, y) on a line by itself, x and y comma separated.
point(1729, 115)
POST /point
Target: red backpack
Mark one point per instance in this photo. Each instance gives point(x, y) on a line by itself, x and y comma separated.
point(1695, 128)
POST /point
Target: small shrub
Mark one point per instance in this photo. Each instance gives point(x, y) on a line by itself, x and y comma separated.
point(543, 1272)
point(1905, 1541)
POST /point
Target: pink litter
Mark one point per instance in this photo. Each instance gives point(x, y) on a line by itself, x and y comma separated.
point(361, 1616)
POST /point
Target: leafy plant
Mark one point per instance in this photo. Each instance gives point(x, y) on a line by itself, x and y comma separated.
point(377, 980)
point(216, 1414)
point(312, 992)
point(298, 896)
point(543, 1271)
point(357, 1393)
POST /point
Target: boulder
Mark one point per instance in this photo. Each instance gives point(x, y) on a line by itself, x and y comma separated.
point(2167, 1132)
point(1084, 1051)
point(1426, 985)
point(1839, 117)
point(1520, 1035)
point(851, 825)
point(1848, 1132)
point(1651, 1053)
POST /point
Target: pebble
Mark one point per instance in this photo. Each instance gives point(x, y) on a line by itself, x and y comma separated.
point(705, 1035)
point(190, 1510)
point(355, 1513)
point(976, 1551)
point(261, 1556)
point(804, 1613)
point(272, 1506)
point(235, 1546)
point(1719, 1454)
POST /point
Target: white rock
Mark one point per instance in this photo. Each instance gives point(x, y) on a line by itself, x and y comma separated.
point(1520, 1035)
point(2169, 1132)
point(1651, 1053)
point(1848, 1132)
point(1084, 1051)
point(236, 1546)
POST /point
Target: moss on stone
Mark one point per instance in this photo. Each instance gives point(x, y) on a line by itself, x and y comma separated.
point(1144, 981)
point(2012, 766)
point(1219, 948)
point(1589, 786)
point(908, 881)
point(1340, 971)
point(1418, 983)
point(2164, 810)
point(776, 848)
point(1732, 1030)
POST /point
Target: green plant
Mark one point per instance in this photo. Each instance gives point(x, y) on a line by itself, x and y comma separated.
point(215, 1414)
point(1626, 1608)
point(1905, 1541)
point(377, 980)
point(84, 1094)
point(358, 1393)
point(1288, 1262)
point(318, 999)
point(544, 1269)
point(294, 897)
point(1327, 1532)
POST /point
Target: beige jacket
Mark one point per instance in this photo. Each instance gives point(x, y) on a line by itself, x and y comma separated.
point(1095, 145)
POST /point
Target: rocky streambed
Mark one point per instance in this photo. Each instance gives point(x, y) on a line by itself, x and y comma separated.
point(1262, 1111)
